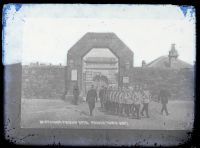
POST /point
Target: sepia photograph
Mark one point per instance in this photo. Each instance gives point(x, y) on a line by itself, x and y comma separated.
point(87, 66)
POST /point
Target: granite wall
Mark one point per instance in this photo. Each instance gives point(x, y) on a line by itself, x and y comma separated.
point(48, 82)
point(179, 82)
point(44, 82)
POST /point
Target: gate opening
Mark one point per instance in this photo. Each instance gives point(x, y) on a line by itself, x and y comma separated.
point(99, 67)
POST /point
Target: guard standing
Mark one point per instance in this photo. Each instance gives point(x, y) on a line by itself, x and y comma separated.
point(112, 101)
point(133, 110)
point(76, 94)
point(123, 101)
point(129, 102)
point(117, 102)
point(108, 99)
point(101, 95)
point(91, 97)
point(163, 97)
point(137, 101)
point(120, 98)
point(126, 102)
point(145, 101)
point(105, 98)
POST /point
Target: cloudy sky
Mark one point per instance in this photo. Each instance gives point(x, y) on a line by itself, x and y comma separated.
point(45, 33)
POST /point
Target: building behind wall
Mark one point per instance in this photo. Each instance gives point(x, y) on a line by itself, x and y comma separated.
point(50, 81)
point(176, 75)
point(170, 61)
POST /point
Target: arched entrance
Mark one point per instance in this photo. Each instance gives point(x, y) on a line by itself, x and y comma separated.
point(121, 59)
point(101, 80)
point(99, 67)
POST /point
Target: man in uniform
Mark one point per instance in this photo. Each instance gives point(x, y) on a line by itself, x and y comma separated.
point(105, 98)
point(120, 98)
point(108, 99)
point(163, 97)
point(101, 95)
point(91, 97)
point(137, 101)
point(111, 100)
point(76, 94)
point(145, 100)
point(115, 100)
point(133, 101)
point(127, 101)
point(123, 101)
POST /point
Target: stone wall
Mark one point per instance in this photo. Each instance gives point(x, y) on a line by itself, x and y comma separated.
point(179, 82)
point(44, 82)
point(49, 81)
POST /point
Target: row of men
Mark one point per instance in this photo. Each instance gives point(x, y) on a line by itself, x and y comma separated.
point(125, 101)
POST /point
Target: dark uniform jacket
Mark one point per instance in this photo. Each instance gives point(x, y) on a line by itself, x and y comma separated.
point(163, 96)
point(91, 96)
point(101, 93)
point(76, 91)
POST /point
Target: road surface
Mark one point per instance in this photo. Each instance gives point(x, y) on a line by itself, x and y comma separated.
point(57, 113)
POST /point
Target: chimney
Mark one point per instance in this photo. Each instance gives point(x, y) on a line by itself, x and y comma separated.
point(173, 55)
point(143, 63)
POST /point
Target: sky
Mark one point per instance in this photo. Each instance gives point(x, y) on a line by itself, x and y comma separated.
point(45, 33)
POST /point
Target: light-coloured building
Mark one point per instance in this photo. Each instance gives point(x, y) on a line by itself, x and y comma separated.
point(170, 61)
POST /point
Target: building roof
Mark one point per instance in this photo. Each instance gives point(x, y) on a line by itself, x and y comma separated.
point(163, 62)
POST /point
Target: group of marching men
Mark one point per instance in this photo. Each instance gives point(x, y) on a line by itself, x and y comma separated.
point(125, 101)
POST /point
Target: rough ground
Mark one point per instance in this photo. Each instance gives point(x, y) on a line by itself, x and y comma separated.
point(44, 113)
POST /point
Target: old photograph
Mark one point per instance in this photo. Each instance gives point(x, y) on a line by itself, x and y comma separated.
point(107, 66)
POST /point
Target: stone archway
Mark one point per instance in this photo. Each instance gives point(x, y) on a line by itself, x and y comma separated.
point(86, 44)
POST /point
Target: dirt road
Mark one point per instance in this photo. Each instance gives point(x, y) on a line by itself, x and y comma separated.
point(43, 113)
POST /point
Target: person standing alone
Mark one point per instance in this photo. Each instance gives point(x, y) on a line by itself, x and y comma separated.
point(163, 97)
point(91, 98)
point(145, 100)
point(76, 94)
